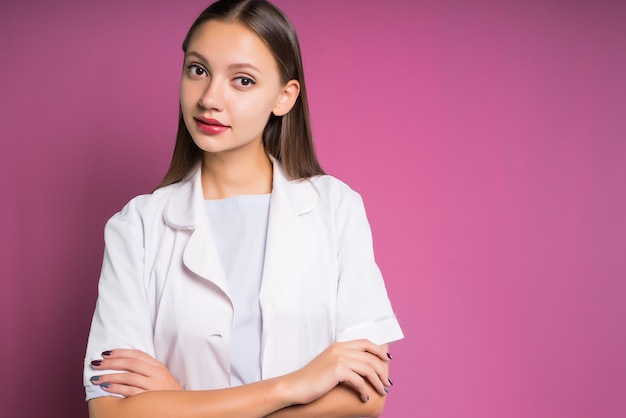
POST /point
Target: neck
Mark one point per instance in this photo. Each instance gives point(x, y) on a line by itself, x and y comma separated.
point(225, 174)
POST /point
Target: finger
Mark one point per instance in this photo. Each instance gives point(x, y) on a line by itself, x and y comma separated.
point(118, 389)
point(369, 368)
point(379, 351)
point(353, 380)
point(370, 347)
point(129, 353)
point(361, 346)
point(368, 363)
point(381, 369)
point(376, 381)
point(123, 364)
point(357, 357)
point(127, 379)
point(152, 365)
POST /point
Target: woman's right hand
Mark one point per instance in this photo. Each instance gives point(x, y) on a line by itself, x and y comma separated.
point(141, 373)
point(352, 363)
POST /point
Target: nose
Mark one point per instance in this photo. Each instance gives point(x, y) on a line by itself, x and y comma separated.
point(213, 96)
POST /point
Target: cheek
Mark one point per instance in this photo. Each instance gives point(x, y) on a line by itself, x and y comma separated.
point(188, 97)
point(258, 108)
point(245, 109)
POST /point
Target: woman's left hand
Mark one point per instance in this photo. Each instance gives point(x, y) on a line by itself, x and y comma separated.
point(141, 373)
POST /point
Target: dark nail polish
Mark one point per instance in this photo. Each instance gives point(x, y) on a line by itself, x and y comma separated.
point(390, 381)
point(386, 390)
point(389, 356)
point(96, 362)
point(107, 353)
point(105, 385)
point(95, 378)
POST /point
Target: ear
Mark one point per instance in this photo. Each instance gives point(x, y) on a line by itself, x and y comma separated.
point(287, 98)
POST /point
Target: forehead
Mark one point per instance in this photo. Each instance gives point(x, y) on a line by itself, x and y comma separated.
point(226, 43)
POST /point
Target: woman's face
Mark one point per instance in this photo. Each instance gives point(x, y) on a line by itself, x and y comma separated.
point(229, 88)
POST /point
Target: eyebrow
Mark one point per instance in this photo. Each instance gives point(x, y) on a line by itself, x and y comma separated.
point(236, 66)
point(243, 66)
point(195, 54)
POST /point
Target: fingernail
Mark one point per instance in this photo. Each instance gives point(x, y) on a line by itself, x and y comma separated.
point(390, 381)
point(389, 356)
point(386, 390)
point(96, 362)
point(105, 385)
point(94, 378)
point(107, 353)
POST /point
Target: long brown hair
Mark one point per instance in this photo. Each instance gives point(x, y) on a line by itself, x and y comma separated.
point(287, 138)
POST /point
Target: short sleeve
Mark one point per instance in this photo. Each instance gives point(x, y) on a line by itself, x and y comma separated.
point(122, 316)
point(363, 307)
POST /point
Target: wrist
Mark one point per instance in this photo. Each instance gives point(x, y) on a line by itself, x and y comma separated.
point(285, 390)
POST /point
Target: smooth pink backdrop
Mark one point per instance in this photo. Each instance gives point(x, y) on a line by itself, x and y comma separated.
point(486, 137)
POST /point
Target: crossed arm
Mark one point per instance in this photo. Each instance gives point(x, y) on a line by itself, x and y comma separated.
point(346, 380)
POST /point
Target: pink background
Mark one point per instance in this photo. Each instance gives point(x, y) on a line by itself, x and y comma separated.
point(486, 137)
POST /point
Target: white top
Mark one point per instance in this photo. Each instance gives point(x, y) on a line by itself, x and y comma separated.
point(239, 225)
point(163, 290)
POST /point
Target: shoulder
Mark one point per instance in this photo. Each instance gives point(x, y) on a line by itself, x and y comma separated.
point(144, 207)
point(334, 191)
point(345, 207)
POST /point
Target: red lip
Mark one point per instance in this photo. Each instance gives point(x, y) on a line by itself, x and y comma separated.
point(210, 126)
point(210, 121)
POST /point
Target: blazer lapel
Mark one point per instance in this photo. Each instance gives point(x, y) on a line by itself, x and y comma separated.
point(290, 242)
point(185, 210)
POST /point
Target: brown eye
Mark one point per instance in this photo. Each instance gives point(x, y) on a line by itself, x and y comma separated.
point(245, 81)
point(197, 70)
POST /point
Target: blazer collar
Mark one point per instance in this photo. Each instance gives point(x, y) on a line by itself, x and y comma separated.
point(290, 244)
point(184, 208)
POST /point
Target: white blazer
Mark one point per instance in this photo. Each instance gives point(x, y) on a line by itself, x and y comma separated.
point(162, 288)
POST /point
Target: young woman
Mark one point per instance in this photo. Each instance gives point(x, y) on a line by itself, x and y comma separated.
point(245, 285)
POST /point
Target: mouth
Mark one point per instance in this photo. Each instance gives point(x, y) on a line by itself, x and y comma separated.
point(210, 126)
point(209, 121)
